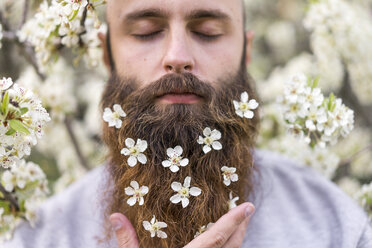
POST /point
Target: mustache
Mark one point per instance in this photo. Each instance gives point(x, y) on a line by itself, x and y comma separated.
point(185, 83)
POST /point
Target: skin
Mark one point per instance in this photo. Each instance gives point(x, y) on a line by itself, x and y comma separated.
point(151, 38)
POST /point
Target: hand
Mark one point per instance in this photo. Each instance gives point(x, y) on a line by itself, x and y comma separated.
point(228, 231)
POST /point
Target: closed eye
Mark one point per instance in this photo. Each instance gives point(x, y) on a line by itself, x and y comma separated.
point(206, 37)
point(149, 36)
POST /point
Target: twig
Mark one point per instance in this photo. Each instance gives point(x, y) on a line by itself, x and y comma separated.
point(72, 135)
point(355, 155)
point(25, 11)
point(9, 197)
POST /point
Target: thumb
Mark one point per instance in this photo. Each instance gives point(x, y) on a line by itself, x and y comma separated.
point(124, 231)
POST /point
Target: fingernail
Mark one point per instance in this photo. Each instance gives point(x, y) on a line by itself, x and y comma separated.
point(115, 223)
point(249, 210)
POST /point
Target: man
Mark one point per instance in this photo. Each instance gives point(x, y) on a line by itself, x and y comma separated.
point(180, 154)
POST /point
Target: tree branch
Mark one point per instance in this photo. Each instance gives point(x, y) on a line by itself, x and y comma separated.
point(74, 141)
point(24, 14)
point(9, 198)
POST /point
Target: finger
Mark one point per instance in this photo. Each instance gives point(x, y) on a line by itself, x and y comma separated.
point(221, 231)
point(124, 231)
point(236, 239)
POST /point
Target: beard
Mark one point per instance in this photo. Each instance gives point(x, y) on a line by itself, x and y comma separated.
point(166, 126)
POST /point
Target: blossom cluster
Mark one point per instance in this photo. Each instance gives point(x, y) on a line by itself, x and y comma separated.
point(364, 197)
point(311, 116)
point(63, 23)
point(333, 40)
point(22, 118)
point(26, 183)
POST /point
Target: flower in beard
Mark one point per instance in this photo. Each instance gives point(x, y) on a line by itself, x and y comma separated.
point(183, 193)
point(244, 108)
point(175, 160)
point(113, 118)
point(154, 227)
point(229, 175)
point(232, 201)
point(210, 140)
point(136, 192)
point(204, 228)
point(135, 151)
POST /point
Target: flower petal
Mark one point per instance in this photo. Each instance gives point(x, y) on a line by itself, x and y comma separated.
point(216, 145)
point(227, 182)
point(175, 198)
point(129, 191)
point(142, 158)
point(174, 168)
point(162, 224)
point(146, 225)
point(248, 114)
point(184, 162)
point(166, 163)
point(170, 152)
point(176, 186)
point(129, 142)
point(253, 104)
point(134, 184)
point(186, 183)
point(185, 202)
point(178, 150)
point(142, 145)
point(132, 161)
point(141, 201)
point(244, 97)
point(161, 234)
point(131, 201)
point(125, 151)
point(206, 149)
point(144, 190)
point(200, 140)
point(216, 135)
point(207, 131)
point(234, 177)
point(195, 191)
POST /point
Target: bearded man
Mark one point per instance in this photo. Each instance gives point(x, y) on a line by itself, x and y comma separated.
point(181, 147)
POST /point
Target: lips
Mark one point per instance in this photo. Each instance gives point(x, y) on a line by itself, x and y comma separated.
point(179, 98)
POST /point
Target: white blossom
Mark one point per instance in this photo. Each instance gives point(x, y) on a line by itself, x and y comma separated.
point(210, 140)
point(204, 228)
point(232, 201)
point(175, 159)
point(114, 117)
point(136, 192)
point(135, 151)
point(154, 227)
point(184, 192)
point(244, 107)
point(5, 83)
point(229, 175)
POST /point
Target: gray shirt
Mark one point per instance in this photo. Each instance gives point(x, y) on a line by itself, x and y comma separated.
point(295, 207)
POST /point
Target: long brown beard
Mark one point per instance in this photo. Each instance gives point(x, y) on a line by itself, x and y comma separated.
point(166, 126)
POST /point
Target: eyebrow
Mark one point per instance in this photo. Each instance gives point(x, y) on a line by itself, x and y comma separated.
point(161, 13)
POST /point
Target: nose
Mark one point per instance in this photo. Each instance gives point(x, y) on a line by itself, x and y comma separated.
point(178, 54)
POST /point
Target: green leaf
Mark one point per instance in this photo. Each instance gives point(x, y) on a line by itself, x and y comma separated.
point(5, 105)
point(10, 132)
point(24, 110)
point(5, 205)
point(19, 126)
point(74, 15)
point(315, 82)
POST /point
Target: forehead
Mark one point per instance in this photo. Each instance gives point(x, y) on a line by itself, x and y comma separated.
point(118, 10)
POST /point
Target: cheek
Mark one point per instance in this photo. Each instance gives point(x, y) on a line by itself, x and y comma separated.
point(217, 60)
point(137, 61)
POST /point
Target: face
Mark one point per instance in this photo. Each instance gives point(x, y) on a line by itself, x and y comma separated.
point(177, 70)
point(152, 38)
